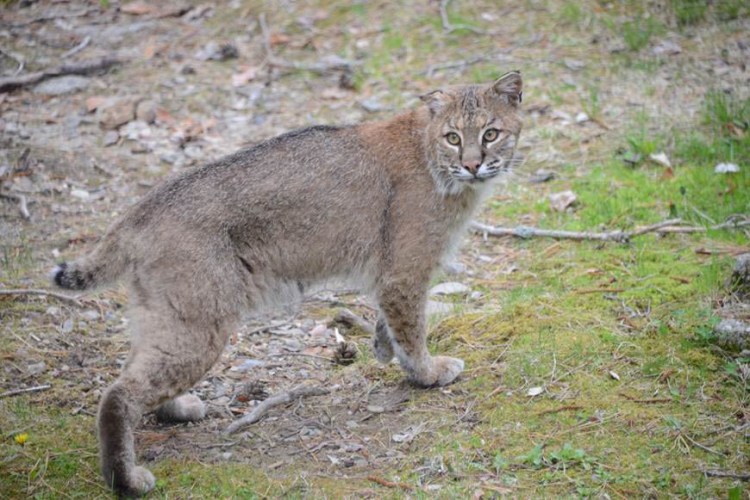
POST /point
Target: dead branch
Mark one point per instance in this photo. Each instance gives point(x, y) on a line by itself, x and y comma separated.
point(664, 227)
point(448, 27)
point(390, 484)
point(723, 473)
point(16, 392)
point(348, 318)
point(77, 48)
point(558, 410)
point(279, 399)
point(321, 67)
point(30, 291)
point(16, 59)
point(22, 203)
point(433, 68)
point(80, 68)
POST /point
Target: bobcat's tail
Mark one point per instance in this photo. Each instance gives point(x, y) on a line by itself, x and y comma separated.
point(102, 266)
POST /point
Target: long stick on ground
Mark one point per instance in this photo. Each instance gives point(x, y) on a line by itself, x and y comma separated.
point(279, 399)
point(31, 291)
point(81, 68)
point(16, 392)
point(664, 227)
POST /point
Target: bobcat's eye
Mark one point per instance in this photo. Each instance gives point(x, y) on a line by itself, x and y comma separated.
point(453, 139)
point(491, 134)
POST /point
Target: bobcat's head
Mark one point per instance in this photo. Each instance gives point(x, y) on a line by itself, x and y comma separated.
point(472, 134)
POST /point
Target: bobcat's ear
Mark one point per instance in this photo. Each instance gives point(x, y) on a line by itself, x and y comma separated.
point(510, 87)
point(436, 101)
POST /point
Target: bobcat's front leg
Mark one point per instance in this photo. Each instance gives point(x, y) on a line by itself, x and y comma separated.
point(404, 311)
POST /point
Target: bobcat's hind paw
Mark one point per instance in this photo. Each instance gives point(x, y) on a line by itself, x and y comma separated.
point(184, 408)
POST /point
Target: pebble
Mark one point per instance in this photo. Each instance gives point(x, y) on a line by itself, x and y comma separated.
point(80, 194)
point(67, 326)
point(111, 138)
point(449, 288)
point(62, 85)
point(36, 368)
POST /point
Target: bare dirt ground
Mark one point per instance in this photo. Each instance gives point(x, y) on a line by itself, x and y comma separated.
point(191, 82)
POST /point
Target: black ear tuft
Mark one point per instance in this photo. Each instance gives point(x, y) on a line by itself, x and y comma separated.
point(510, 87)
point(59, 276)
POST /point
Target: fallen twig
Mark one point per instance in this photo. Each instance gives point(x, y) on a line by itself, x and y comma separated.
point(77, 48)
point(701, 446)
point(432, 69)
point(647, 400)
point(390, 484)
point(16, 392)
point(279, 399)
point(558, 410)
point(448, 27)
point(22, 203)
point(723, 473)
point(350, 319)
point(664, 227)
point(81, 68)
point(322, 67)
point(31, 291)
point(16, 59)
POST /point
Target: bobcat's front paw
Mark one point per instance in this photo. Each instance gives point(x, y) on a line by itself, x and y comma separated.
point(441, 370)
point(447, 369)
point(137, 482)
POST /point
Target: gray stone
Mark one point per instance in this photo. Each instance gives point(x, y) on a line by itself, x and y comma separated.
point(111, 138)
point(733, 334)
point(146, 111)
point(62, 85)
point(36, 368)
point(449, 288)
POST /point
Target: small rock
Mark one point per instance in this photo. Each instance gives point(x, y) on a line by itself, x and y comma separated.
point(247, 365)
point(661, 159)
point(535, 391)
point(739, 281)
point(733, 334)
point(541, 176)
point(90, 315)
point(666, 47)
point(454, 268)
point(145, 111)
point(226, 455)
point(111, 138)
point(371, 105)
point(375, 408)
point(62, 85)
point(115, 113)
point(449, 288)
point(475, 295)
point(726, 168)
point(80, 194)
point(214, 51)
point(561, 201)
point(581, 117)
point(435, 308)
point(67, 326)
point(36, 368)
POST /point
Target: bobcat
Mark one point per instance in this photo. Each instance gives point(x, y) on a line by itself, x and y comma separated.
point(382, 202)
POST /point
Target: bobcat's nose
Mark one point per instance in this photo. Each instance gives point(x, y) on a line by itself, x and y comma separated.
point(472, 165)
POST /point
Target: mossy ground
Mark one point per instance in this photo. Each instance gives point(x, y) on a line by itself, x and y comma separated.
point(634, 399)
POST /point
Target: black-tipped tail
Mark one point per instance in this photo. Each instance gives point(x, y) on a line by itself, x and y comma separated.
point(65, 276)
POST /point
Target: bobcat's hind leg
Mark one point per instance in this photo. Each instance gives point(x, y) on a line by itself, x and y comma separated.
point(183, 408)
point(169, 357)
point(382, 342)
